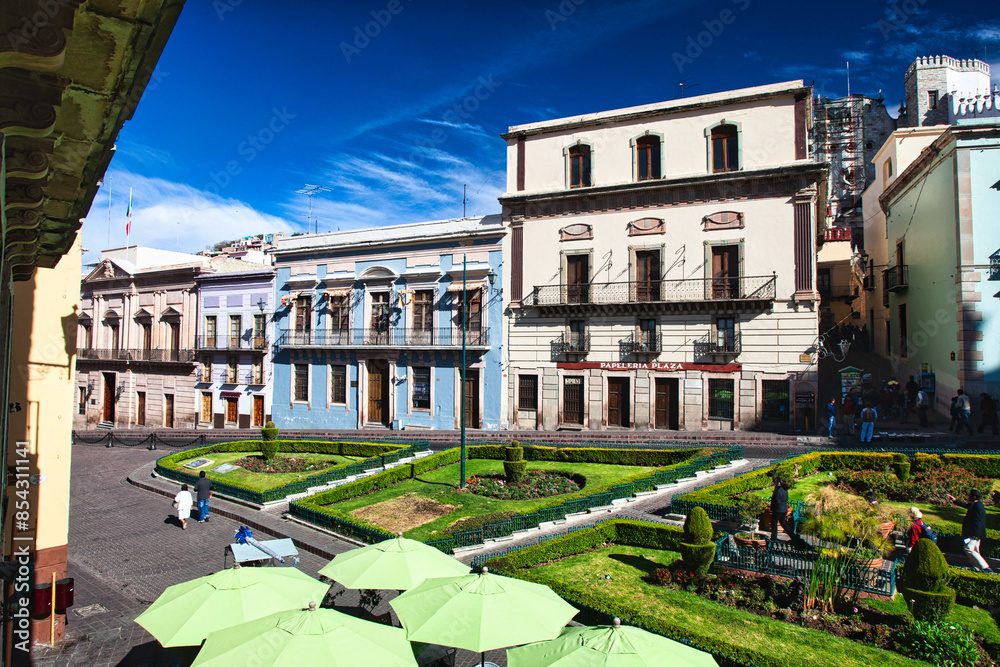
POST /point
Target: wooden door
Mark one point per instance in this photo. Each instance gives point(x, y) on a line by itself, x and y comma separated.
point(232, 410)
point(665, 404)
point(472, 399)
point(108, 414)
point(578, 278)
point(168, 410)
point(206, 406)
point(618, 402)
point(573, 400)
point(378, 392)
point(647, 275)
point(140, 409)
point(258, 410)
point(725, 272)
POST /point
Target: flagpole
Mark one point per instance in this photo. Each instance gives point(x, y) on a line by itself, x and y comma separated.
point(128, 223)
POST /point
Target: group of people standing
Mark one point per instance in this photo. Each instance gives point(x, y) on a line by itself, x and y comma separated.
point(961, 413)
point(973, 528)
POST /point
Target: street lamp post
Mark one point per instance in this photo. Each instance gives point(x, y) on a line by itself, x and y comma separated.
point(465, 325)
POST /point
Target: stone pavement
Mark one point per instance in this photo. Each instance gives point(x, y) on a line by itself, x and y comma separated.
point(125, 549)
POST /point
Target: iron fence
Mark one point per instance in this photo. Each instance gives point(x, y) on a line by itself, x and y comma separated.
point(745, 288)
point(136, 354)
point(384, 337)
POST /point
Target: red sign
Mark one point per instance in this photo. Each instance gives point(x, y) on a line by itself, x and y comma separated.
point(648, 366)
point(230, 394)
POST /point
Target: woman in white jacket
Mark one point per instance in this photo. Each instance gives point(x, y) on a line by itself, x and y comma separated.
point(183, 501)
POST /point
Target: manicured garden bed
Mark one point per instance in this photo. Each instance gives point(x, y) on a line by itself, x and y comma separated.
point(262, 480)
point(608, 571)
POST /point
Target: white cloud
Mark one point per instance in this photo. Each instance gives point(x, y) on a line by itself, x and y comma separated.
point(170, 216)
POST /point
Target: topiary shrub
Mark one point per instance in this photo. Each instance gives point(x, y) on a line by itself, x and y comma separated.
point(269, 441)
point(514, 452)
point(697, 549)
point(925, 576)
point(902, 470)
point(515, 471)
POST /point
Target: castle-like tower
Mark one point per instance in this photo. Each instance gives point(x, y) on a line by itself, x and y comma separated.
point(939, 87)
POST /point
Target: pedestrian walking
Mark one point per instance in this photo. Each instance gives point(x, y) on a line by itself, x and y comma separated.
point(831, 416)
point(923, 405)
point(779, 514)
point(911, 389)
point(183, 501)
point(868, 417)
point(988, 416)
point(973, 528)
point(203, 487)
point(964, 408)
point(918, 528)
point(850, 411)
point(954, 414)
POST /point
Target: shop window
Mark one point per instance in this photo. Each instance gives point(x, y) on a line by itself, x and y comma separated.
point(721, 399)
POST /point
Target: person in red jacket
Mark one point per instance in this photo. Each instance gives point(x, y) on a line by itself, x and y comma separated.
point(916, 528)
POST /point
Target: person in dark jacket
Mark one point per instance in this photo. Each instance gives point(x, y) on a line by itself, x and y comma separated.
point(779, 514)
point(988, 408)
point(973, 528)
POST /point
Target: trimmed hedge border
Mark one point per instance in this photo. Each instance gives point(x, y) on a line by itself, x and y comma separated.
point(378, 455)
point(313, 510)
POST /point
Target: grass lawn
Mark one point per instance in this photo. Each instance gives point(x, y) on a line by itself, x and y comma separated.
point(793, 644)
point(802, 488)
point(264, 481)
point(439, 486)
point(977, 620)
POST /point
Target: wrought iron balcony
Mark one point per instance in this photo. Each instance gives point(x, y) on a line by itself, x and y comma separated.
point(995, 266)
point(572, 343)
point(230, 343)
point(869, 283)
point(640, 343)
point(122, 354)
point(377, 337)
point(252, 380)
point(895, 278)
point(657, 296)
point(711, 344)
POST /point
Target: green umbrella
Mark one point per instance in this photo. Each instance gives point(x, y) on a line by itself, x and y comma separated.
point(307, 637)
point(608, 646)
point(185, 613)
point(395, 564)
point(481, 612)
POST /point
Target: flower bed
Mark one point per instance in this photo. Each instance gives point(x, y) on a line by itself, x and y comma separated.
point(536, 484)
point(927, 486)
point(282, 464)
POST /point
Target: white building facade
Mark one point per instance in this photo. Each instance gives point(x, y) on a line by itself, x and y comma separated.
point(662, 265)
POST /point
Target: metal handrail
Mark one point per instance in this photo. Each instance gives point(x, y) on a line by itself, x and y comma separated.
point(710, 344)
point(742, 288)
point(132, 354)
point(202, 342)
point(641, 343)
point(895, 277)
point(572, 343)
point(388, 337)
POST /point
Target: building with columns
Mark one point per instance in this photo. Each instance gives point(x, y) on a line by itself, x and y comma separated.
point(136, 342)
point(661, 265)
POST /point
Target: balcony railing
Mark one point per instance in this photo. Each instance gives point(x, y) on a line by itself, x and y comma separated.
point(230, 343)
point(250, 379)
point(712, 344)
point(168, 356)
point(571, 343)
point(995, 266)
point(662, 292)
point(393, 337)
point(644, 342)
point(895, 278)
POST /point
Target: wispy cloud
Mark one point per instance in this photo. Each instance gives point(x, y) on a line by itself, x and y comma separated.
point(168, 215)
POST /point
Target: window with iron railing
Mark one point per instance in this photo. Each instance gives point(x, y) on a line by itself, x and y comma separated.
point(527, 392)
point(338, 384)
point(420, 393)
point(721, 398)
point(300, 383)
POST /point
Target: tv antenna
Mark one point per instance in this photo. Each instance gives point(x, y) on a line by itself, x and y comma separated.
point(309, 191)
point(681, 84)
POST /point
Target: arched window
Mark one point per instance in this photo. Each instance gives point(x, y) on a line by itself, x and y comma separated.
point(647, 158)
point(579, 166)
point(725, 148)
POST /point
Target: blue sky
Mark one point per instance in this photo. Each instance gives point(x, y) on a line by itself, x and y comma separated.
point(395, 104)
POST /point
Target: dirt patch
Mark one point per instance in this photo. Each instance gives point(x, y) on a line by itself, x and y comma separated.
point(403, 513)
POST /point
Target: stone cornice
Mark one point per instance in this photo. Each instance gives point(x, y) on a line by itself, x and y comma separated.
point(787, 180)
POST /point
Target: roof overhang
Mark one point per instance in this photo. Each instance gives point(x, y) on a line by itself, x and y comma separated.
point(66, 89)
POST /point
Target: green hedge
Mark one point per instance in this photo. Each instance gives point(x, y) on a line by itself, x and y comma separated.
point(923, 462)
point(982, 466)
point(628, 457)
point(976, 587)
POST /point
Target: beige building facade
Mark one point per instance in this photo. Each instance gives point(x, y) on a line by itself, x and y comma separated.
point(662, 265)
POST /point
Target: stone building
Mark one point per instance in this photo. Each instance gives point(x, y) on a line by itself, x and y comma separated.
point(662, 265)
point(940, 89)
point(136, 346)
point(370, 327)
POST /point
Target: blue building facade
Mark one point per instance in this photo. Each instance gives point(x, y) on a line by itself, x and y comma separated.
point(370, 327)
point(233, 347)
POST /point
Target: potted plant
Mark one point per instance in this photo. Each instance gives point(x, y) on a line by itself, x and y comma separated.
point(749, 511)
point(852, 522)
